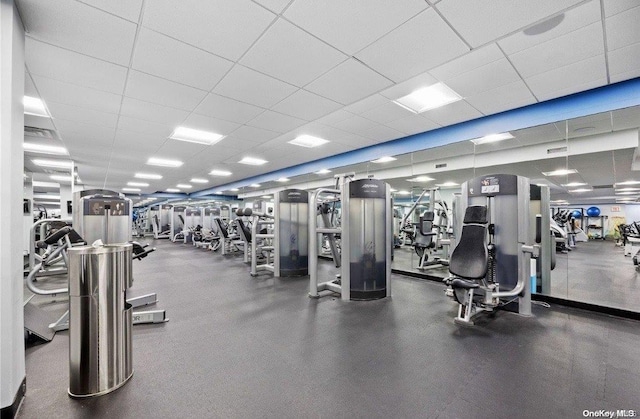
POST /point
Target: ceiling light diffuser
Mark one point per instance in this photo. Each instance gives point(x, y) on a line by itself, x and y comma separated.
point(155, 161)
point(131, 189)
point(34, 106)
point(384, 159)
point(172, 190)
point(61, 178)
point(184, 186)
point(59, 164)
point(403, 193)
point(252, 161)
point(573, 184)
point(255, 185)
point(283, 179)
point(195, 136)
point(427, 98)
point(234, 189)
point(147, 176)
point(323, 172)
point(560, 172)
point(492, 138)
point(420, 179)
point(143, 184)
point(220, 173)
point(447, 184)
point(198, 180)
point(627, 189)
point(580, 190)
point(45, 149)
point(308, 141)
point(626, 183)
point(39, 184)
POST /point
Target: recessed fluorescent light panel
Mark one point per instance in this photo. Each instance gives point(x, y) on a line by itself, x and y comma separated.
point(560, 172)
point(492, 138)
point(220, 173)
point(141, 184)
point(234, 190)
point(58, 164)
point(45, 149)
point(403, 193)
point(255, 185)
point(61, 178)
point(131, 189)
point(283, 179)
point(627, 183)
point(627, 189)
point(39, 184)
point(626, 193)
point(323, 172)
point(252, 161)
point(155, 161)
point(573, 184)
point(580, 190)
point(196, 136)
point(34, 106)
point(172, 190)
point(385, 159)
point(448, 184)
point(427, 98)
point(308, 141)
point(147, 176)
point(420, 179)
point(184, 186)
point(198, 180)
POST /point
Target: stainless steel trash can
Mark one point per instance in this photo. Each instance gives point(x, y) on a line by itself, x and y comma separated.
point(100, 321)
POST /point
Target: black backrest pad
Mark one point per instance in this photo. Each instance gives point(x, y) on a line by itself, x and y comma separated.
point(245, 230)
point(428, 216)
point(57, 235)
point(470, 258)
point(222, 228)
point(475, 214)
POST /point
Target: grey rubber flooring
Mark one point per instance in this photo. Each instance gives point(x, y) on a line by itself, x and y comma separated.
point(243, 347)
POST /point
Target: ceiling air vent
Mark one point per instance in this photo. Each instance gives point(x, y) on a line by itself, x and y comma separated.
point(556, 150)
point(38, 132)
point(441, 165)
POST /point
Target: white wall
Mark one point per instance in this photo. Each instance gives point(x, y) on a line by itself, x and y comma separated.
point(12, 369)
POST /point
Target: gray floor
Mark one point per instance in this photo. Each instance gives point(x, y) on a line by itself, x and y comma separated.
point(245, 347)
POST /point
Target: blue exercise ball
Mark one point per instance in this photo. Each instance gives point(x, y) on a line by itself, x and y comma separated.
point(593, 212)
point(576, 214)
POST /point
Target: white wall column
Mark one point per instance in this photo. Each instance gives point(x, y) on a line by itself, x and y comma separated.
point(12, 369)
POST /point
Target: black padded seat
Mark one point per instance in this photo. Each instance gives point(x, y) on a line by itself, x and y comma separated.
point(57, 235)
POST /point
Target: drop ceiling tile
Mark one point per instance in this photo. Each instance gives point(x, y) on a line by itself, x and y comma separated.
point(387, 112)
point(291, 55)
point(162, 92)
point(71, 94)
point(29, 87)
point(151, 112)
point(624, 63)
point(228, 109)
point(79, 27)
point(356, 125)
point(38, 122)
point(334, 117)
point(623, 29)
point(225, 28)
point(381, 133)
point(249, 86)
point(569, 79)
point(68, 66)
point(574, 19)
point(86, 115)
point(452, 114)
point(275, 121)
point(144, 127)
point(613, 7)
point(509, 96)
point(406, 87)
point(127, 9)
point(366, 104)
point(352, 25)
point(566, 49)
point(413, 124)
point(276, 6)
point(481, 79)
point(73, 132)
point(171, 59)
point(348, 82)
point(180, 150)
point(136, 142)
point(306, 105)
point(205, 123)
point(482, 22)
point(253, 134)
point(409, 49)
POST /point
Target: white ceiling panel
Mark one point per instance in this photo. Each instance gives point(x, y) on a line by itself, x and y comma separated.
point(275, 121)
point(366, 104)
point(624, 63)
point(226, 28)
point(217, 106)
point(171, 59)
point(386, 112)
point(348, 82)
point(74, 113)
point(181, 150)
point(481, 79)
point(71, 94)
point(352, 25)
point(253, 134)
point(249, 86)
point(623, 29)
point(292, 55)
point(79, 27)
point(613, 7)
point(151, 112)
point(72, 67)
point(452, 114)
point(329, 133)
point(335, 117)
point(276, 6)
point(406, 87)
point(574, 19)
point(306, 105)
point(477, 58)
point(38, 122)
point(205, 123)
point(127, 9)
point(381, 133)
point(162, 92)
point(29, 87)
point(569, 79)
point(77, 133)
point(134, 142)
point(509, 96)
point(413, 124)
point(145, 127)
point(356, 124)
point(481, 22)
point(410, 49)
point(564, 50)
